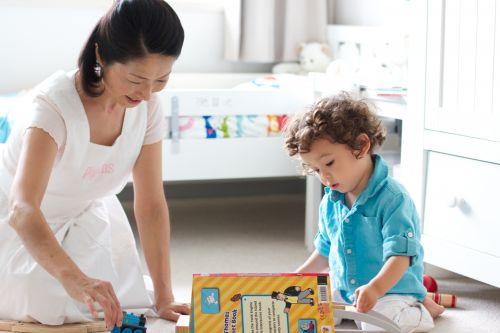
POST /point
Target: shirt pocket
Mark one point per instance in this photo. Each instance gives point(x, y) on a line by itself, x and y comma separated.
point(369, 238)
point(371, 227)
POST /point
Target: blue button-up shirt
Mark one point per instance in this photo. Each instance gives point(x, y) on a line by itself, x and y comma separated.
point(382, 222)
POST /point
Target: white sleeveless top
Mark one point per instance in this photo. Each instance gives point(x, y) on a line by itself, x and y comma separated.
point(80, 207)
point(83, 170)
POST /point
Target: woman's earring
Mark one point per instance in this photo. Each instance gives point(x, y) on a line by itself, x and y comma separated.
point(98, 70)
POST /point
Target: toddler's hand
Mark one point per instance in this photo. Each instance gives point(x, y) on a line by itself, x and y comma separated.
point(365, 298)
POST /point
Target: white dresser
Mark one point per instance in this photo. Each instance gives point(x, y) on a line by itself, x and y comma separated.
point(451, 139)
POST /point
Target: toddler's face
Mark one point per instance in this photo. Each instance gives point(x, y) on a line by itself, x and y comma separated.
point(335, 165)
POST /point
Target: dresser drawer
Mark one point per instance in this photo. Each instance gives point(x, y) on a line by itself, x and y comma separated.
point(462, 202)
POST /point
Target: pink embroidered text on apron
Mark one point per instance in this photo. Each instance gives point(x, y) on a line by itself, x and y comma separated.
point(91, 173)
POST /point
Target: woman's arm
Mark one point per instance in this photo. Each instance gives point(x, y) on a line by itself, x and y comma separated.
point(316, 263)
point(151, 213)
point(28, 189)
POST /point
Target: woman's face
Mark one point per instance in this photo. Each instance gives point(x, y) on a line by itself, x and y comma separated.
point(133, 82)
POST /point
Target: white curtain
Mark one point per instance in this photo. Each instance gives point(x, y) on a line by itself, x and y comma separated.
point(272, 30)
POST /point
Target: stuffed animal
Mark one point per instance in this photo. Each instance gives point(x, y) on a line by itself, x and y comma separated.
point(313, 57)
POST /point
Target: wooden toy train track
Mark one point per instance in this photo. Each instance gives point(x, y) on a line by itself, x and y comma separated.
point(22, 327)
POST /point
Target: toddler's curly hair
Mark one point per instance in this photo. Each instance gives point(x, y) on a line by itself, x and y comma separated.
point(340, 119)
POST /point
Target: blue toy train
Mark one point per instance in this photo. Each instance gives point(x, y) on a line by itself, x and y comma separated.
point(131, 324)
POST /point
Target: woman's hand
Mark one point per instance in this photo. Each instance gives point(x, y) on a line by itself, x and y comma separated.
point(91, 291)
point(365, 298)
point(170, 310)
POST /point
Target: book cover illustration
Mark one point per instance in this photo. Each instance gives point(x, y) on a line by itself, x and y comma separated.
point(261, 303)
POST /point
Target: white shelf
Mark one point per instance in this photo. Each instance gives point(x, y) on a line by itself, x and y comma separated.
point(385, 107)
point(389, 109)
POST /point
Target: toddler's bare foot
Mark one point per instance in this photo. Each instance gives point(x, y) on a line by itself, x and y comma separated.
point(434, 309)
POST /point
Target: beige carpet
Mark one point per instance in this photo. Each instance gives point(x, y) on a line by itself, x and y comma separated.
point(265, 234)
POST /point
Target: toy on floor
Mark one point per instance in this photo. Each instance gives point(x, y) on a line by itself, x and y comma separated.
point(446, 300)
point(182, 325)
point(24, 327)
point(430, 284)
point(131, 324)
point(289, 302)
point(269, 302)
point(343, 311)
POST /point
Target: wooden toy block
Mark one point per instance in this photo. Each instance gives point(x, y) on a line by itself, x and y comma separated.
point(182, 325)
point(446, 300)
point(6, 325)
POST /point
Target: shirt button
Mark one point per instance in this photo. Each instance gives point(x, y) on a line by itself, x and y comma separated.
point(349, 251)
point(410, 234)
point(353, 281)
point(347, 220)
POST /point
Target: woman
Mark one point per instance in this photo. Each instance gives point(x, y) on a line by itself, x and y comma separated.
point(66, 247)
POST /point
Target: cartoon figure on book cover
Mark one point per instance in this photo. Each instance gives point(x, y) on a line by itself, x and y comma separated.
point(294, 295)
point(210, 300)
point(307, 326)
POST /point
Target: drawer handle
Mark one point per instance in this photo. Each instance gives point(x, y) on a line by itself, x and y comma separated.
point(455, 202)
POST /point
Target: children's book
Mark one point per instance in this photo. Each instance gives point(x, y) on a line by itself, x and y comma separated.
point(261, 303)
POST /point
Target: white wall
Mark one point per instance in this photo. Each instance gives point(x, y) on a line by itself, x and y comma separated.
point(37, 39)
point(204, 46)
point(40, 37)
point(372, 12)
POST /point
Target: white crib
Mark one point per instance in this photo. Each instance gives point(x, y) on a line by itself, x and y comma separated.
point(225, 158)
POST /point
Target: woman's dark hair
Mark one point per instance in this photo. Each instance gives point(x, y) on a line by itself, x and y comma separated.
point(131, 29)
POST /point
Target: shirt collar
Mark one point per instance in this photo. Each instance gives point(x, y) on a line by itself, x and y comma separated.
point(377, 180)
